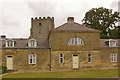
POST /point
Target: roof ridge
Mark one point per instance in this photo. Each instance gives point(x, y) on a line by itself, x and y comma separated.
point(60, 26)
point(87, 27)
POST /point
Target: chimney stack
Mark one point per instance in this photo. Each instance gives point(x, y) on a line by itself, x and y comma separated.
point(3, 36)
point(70, 19)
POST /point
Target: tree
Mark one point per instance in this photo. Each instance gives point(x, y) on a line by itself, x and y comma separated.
point(102, 19)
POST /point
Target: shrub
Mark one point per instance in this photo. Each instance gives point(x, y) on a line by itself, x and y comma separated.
point(3, 69)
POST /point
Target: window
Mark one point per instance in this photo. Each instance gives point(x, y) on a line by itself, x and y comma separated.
point(112, 43)
point(32, 43)
point(32, 58)
point(10, 43)
point(113, 57)
point(89, 58)
point(61, 58)
point(40, 24)
point(75, 41)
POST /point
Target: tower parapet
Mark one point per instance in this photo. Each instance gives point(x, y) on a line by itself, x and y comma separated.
point(42, 18)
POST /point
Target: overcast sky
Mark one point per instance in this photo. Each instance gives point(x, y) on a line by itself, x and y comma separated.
point(15, 15)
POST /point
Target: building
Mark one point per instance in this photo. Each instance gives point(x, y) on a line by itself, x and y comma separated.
point(67, 47)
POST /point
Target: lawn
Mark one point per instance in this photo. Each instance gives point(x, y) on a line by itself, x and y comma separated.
point(67, 74)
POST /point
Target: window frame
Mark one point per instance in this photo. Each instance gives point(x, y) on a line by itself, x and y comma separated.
point(113, 57)
point(32, 43)
point(111, 41)
point(10, 43)
point(61, 58)
point(75, 41)
point(33, 61)
point(90, 58)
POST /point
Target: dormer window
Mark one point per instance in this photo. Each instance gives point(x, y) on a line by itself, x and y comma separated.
point(112, 43)
point(75, 41)
point(10, 43)
point(32, 43)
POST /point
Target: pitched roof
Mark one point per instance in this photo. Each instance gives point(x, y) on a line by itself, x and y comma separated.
point(23, 43)
point(73, 26)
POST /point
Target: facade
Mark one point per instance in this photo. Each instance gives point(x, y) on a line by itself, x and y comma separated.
point(67, 47)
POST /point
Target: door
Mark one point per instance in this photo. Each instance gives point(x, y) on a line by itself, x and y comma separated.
point(9, 62)
point(75, 61)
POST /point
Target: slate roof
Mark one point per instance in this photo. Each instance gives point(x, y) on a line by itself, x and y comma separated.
point(23, 43)
point(103, 43)
point(73, 26)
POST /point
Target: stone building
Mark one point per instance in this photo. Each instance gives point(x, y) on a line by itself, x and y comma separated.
point(67, 47)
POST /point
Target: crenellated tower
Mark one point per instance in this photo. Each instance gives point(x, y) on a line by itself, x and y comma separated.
point(40, 27)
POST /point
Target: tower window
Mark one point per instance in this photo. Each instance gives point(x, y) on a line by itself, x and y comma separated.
point(40, 24)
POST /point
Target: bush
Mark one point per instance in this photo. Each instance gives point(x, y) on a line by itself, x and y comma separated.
point(3, 69)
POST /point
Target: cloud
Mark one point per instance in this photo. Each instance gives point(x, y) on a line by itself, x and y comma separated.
point(15, 17)
point(114, 5)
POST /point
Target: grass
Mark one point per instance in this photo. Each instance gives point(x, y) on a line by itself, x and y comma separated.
point(67, 74)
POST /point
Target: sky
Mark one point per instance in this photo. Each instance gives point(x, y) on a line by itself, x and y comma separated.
point(15, 15)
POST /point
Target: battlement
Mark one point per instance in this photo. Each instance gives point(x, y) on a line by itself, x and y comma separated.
point(42, 18)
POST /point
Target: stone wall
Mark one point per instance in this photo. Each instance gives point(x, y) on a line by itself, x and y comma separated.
point(105, 57)
point(82, 60)
point(59, 40)
point(20, 59)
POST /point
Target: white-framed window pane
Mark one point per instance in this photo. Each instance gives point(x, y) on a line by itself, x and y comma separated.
point(76, 41)
point(35, 44)
point(72, 41)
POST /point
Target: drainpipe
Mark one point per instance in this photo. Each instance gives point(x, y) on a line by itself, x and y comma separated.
point(50, 54)
point(50, 59)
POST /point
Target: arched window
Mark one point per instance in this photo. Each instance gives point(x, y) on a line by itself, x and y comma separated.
point(112, 43)
point(75, 41)
point(10, 43)
point(32, 43)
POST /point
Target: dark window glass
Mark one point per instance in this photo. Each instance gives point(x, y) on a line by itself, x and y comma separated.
point(40, 24)
point(61, 60)
point(30, 60)
point(61, 55)
point(89, 58)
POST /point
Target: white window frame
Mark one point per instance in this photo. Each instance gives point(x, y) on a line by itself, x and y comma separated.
point(111, 42)
point(75, 41)
point(32, 43)
point(61, 58)
point(90, 58)
point(113, 57)
point(10, 43)
point(29, 57)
